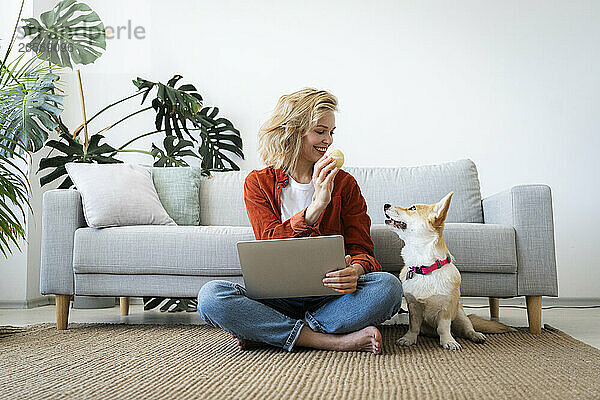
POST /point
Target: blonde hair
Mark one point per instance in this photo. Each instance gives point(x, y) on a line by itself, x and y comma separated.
point(280, 137)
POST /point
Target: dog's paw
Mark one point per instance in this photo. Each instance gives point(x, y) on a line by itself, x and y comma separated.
point(477, 337)
point(406, 340)
point(450, 344)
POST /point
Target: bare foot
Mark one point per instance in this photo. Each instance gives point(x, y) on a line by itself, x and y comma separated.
point(245, 344)
point(367, 339)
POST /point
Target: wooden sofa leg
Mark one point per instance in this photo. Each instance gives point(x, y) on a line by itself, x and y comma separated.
point(124, 302)
point(62, 310)
point(494, 308)
point(534, 313)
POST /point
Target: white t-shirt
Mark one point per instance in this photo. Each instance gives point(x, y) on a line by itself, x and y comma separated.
point(295, 197)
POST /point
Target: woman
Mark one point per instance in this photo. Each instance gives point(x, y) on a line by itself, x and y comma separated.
point(302, 193)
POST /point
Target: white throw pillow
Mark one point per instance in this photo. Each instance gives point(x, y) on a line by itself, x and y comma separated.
point(117, 194)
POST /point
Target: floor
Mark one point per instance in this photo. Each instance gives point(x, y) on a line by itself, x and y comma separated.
point(582, 324)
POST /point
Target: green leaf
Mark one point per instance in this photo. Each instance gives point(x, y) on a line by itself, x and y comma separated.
point(171, 305)
point(70, 33)
point(14, 193)
point(175, 150)
point(29, 109)
point(74, 151)
point(174, 108)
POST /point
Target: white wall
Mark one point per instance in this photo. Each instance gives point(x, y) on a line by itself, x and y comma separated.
point(512, 85)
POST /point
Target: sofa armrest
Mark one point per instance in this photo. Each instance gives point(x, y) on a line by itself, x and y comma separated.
point(528, 209)
point(62, 214)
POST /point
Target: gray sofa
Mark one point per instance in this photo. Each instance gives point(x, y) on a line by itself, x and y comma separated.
point(503, 244)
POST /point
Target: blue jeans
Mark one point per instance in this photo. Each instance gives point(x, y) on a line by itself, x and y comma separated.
point(278, 322)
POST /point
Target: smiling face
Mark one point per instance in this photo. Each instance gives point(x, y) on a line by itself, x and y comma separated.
point(418, 221)
point(318, 139)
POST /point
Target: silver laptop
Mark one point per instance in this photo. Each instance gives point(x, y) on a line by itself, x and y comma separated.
point(293, 267)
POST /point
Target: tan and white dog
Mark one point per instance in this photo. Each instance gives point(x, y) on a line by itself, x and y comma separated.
point(430, 280)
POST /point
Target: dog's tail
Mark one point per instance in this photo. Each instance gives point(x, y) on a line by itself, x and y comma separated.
point(486, 326)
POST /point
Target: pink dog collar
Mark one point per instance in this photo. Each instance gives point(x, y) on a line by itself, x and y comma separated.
point(425, 270)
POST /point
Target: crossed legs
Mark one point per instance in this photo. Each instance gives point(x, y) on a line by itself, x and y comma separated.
point(346, 322)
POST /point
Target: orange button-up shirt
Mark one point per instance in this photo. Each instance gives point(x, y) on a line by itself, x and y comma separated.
point(346, 214)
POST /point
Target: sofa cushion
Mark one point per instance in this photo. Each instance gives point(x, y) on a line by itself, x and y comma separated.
point(427, 184)
point(178, 189)
point(222, 199)
point(212, 250)
point(401, 186)
point(475, 247)
point(117, 194)
point(169, 250)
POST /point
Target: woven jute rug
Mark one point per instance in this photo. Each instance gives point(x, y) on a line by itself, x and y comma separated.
point(107, 361)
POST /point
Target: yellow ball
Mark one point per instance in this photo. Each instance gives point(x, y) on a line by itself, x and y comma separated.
point(337, 155)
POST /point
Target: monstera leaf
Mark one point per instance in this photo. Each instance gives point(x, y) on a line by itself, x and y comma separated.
point(70, 33)
point(74, 151)
point(173, 106)
point(218, 135)
point(172, 156)
point(27, 111)
point(28, 107)
point(171, 305)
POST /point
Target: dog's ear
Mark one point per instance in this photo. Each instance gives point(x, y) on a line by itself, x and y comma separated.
point(440, 210)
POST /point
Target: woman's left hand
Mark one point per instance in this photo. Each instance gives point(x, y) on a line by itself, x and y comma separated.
point(343, 280)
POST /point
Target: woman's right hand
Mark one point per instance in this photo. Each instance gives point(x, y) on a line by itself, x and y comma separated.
point(323, 175)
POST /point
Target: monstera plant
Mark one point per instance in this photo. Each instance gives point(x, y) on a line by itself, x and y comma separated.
point(72, 33)
point(175, 107)
point(180, 116)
